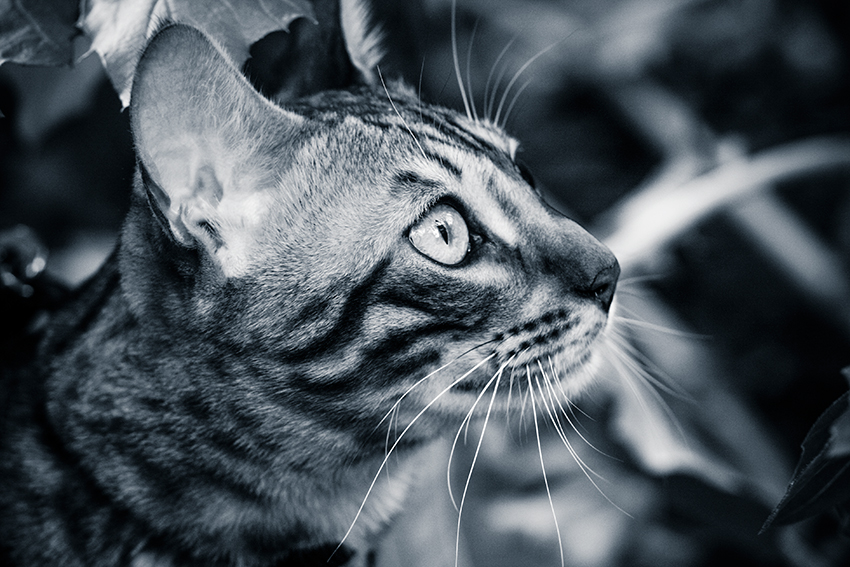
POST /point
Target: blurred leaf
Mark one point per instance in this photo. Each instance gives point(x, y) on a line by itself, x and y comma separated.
point(663, 446)
point(34, 32)
point(120, 28)
point(822, 478)
point(695, 425)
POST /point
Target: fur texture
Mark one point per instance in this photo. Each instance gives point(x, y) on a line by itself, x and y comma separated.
point(224, 390)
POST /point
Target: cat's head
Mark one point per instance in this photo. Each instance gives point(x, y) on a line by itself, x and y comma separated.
point(353, 242)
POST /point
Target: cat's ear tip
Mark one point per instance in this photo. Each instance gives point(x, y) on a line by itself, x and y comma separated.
point(160, 54)
point(168, 30)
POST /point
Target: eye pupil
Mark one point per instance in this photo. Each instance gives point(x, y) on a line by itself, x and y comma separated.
point(441, 228)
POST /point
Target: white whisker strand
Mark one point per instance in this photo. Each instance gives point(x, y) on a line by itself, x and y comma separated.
point(644, 368)
point(457, 62)
point(631, 322)
point(585, 469)
point(571, 405)
point(392, 433)
point(463, 428)
point(401, 436)
point(419, 89)
point(390, 430)
point(510, 397)
point(488, 101)
point(465, 422)
point(634, 374)
point(516, 76)
point(637, 281)
point(417, 383)
point(566, 397)
point(426, 377)
point(514, 101)
point(403, 121)
point(543, 468)
point(497, 377)
point(558, 407)
point(468, 70)
point(559, 429)
point(525, 401)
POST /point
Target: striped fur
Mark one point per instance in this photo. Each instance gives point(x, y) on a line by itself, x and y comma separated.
point(222, 392)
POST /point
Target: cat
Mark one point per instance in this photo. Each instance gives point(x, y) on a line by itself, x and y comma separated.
point(298, 290)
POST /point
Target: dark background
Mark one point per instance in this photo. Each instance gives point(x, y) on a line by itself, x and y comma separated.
point(630, 95)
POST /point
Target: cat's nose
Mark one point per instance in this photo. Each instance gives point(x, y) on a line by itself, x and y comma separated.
point(601, 287)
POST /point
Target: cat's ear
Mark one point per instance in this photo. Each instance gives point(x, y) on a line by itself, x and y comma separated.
point(363, 39)
point(209, 145)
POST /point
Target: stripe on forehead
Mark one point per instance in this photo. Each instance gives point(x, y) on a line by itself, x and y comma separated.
point(491, 205)
point(441, 126)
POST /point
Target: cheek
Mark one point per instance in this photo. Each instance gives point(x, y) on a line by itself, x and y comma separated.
point(476, 298)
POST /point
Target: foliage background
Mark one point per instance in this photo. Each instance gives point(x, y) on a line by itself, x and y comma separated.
point(636, 97)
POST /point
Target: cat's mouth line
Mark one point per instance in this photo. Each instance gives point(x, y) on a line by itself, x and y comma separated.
point(535, 356)
point(533, 369)
point(541, 345)
point(550, 318)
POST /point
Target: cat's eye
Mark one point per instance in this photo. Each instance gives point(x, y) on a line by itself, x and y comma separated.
point(442, 235)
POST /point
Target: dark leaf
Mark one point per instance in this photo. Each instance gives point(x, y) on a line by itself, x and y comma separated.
point(822, 478)
point(119, 29)
point(38, 32)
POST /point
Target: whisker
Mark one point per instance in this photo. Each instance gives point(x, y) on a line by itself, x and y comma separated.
point(559, 429)
point(488, 102)
point(629, 369)
point(510, 397)
point(519, 72)
point(543, 468)
point(585, 469)
point(401, 436)
point(468, 66)
point(497, 377)
point(514, 101)
point(570, 404)
point(419, 90)
point(636, 281)
point(457, 62)
point(403, 121)
point(640, 324)
point(390, 431)
point(429, 375)
point(414, 386)
point(525, 400)
point(637, 361)
point(556, 401)
point(466, 421)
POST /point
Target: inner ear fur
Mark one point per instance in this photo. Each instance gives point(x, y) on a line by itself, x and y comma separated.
point(205, 136)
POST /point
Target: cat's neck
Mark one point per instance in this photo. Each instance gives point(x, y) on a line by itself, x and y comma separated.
point(146, 403)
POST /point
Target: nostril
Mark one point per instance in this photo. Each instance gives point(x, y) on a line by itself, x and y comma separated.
point(604, 294)
point(602, 287)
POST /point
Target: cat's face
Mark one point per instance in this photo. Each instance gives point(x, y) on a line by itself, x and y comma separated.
point(361, 241)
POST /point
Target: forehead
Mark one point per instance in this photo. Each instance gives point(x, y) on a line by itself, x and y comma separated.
point(425, 152)
point(398, 108)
